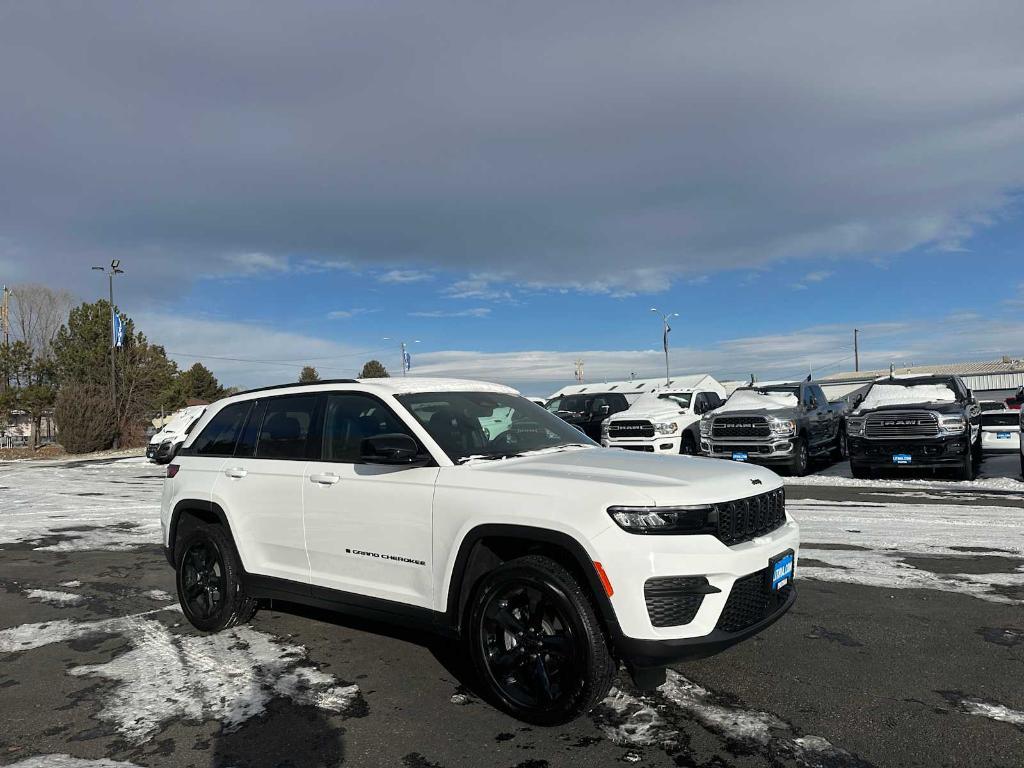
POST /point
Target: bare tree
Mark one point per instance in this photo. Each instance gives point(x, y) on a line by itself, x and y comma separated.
point(37, 313)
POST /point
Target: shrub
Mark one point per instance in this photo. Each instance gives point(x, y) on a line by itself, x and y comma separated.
point(85, 418)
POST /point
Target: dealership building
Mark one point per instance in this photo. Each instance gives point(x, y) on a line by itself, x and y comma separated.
point(994, 380)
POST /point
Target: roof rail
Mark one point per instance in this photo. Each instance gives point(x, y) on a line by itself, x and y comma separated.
point(298, 384)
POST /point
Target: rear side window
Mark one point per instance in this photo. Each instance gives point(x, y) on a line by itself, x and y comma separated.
point(286, 426)
point(246, 446)
point(219, 436)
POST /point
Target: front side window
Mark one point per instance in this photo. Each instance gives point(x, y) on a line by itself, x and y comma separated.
point(350, 419)
point(219, 436)
point(489, 425)
point(285, 428)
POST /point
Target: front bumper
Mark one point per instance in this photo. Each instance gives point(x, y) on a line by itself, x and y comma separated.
point(657, 444)
point(777, 450)
point(928, 452)
point(992, 443)
point(151, 450)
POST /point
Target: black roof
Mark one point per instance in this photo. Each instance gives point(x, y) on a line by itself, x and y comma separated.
point(298, 384)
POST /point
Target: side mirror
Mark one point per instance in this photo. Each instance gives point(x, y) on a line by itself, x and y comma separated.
point(389, 449)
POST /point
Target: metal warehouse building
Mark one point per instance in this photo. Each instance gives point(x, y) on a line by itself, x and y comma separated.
point(995, 380)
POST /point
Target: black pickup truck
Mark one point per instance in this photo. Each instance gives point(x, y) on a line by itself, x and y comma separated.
point(930, 422)
point(587, 411)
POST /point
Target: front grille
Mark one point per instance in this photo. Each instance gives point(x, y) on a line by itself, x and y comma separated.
point(740, 426)
point(896, 424)
point(746, 519)
point(674, 600)
point(630, 429)
point(1000, 420)
point(750, 601)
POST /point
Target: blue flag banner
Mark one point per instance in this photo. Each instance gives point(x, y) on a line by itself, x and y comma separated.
point(118, 330)
point(407, 361)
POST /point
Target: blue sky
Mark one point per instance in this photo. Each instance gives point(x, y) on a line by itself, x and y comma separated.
point(516, 185)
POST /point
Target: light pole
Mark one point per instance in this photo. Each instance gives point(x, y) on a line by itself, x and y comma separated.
point(405, 355)
point(115, 269)
point(664, 336)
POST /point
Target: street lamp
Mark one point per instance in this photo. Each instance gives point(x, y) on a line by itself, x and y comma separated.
point(405, 361)
point(115, 269)
point(664, 336)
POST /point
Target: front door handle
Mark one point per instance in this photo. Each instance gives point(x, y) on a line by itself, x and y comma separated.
point(327, 478)
point(236, 472)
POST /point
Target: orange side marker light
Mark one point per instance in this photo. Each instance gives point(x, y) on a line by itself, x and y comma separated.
point(604, 579)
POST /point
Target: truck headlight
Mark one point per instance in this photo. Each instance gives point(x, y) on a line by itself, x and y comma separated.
point(855, 426)
point(705, 427)
point(782, 427)
point(953, 425)
point(657, 520)
point(666, 427)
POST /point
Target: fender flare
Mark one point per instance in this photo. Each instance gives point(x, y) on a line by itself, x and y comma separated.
point(528, 533)
point(194, 505)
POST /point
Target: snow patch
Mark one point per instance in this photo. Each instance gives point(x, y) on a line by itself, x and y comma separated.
point(993, 711)
point(757, 400)
point(732, 722)
point(70, 584)
point(230, 676)
point(67, 761)
point(881, 395)
point(628, 721)
point(158, 594)
point(59, 599)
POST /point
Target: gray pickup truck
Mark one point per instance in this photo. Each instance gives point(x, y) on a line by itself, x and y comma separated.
point(783, 425)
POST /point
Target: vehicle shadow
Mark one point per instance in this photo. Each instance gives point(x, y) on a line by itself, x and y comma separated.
point(286, 735)
point(449, 652)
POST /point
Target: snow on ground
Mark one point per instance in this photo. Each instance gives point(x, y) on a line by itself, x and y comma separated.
point(653, 720)
point(230, 676)
point(875, 539)
point(59, 599)
point(67, 761)
point(68, 506)
point(992, 711)
point(998, 473)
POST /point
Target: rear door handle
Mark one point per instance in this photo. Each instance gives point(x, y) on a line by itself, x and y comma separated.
point(327, 478)
point(236, 472)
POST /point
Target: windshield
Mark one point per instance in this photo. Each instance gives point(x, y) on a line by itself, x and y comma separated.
point(682, 399)
point(489, 425)
point(912, 392)
point(795, 391)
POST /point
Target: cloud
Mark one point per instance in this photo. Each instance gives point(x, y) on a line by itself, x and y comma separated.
point(811, 278)
point(249, 264)
point(604, 150)
point(405, 276)
point(479, 287)
point(344, 314)
point(477, 312)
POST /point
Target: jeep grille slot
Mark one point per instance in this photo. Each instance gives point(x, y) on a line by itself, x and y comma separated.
point(746, 519)
point(901, 424)
point(740, 426)
point(750, 601)
point(631, 429)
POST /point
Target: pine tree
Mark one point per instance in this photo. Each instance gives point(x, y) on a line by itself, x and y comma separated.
point(374, 369)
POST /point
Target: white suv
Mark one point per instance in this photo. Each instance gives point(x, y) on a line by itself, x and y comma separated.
point(550, 557)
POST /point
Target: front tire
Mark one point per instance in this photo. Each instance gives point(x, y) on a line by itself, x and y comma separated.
point(688, 445)
point(967, 470)
point(801, 460)
point(536, 643)
point(208, 577)
point(861, 472)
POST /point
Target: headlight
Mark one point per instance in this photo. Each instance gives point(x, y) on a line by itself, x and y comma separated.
point(656, 520)
point(953, 425)
point(782, 427)
point(666, 427)
point(855, 426)
point(705, 427)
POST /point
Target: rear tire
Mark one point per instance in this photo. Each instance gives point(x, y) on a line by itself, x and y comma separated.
point(536, 643)
point(841, 451)
point(208, 578)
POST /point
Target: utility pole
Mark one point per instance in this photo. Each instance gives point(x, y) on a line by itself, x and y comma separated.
point(579, 371)
point(405, 361)
point(856, 350)
point(5, 323)
point(664, 337)
point(115, 269)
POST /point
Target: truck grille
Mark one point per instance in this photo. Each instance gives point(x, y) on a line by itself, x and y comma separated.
point(740, 426)
point(748, 518)
point(630, 429)
point(901, 424)
point(674, 600)
point(750, 601)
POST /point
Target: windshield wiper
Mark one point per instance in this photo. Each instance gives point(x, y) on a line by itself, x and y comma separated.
point(496, 456)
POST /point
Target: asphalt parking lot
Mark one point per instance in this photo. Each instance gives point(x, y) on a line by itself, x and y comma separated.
point(905, 648)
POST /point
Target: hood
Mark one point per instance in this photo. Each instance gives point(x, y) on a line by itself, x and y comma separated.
point(926, 406)
point(651, 413)
point(623, 476)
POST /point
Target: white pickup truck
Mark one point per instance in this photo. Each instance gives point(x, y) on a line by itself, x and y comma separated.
point(665, 421)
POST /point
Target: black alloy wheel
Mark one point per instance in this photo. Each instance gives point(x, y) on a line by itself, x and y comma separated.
point(536, 642)
point(203, 582)
point(801, 460)
point(842, 449)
